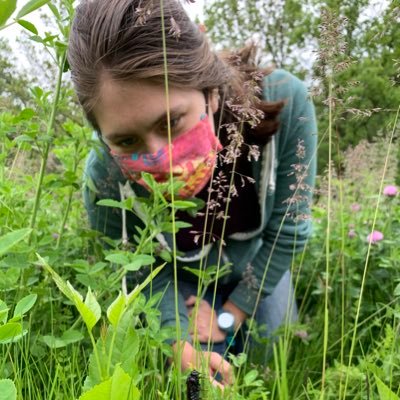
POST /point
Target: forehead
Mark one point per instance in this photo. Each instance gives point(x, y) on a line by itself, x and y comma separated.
point(137, 103)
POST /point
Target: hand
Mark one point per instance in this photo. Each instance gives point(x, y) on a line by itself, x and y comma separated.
point(193, 359)
point(205, 322)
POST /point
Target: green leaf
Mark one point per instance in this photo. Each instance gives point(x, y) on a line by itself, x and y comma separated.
point(9, 240)
point(55, 11)
point(9, 279)
point(384, 392)
point(3, 312)
point(166, 255)
point(149, 180)
point(123, 342)
point(24, 305)
point(116, 309)
point(118, 258)
point(200, 204)
point(68, 337)
point(61, 284)
point(182, 224)
point(101, 391)
point(122, 387)
point(28, 26)
point(90, 316)
point(72, 336)
point(30, 7)
point(93, 305)
point(8, 390)
point(397, 290)
point(135, 292)
point(118, 387)
point(92, 188)
point(89, 310)
point(182, 204)
point(250, 377)
point(124, 205)
point(238, 360)
point(139, 261)
point(7, 7)
point(197, 272)
point(25, 115)
point(10, 331)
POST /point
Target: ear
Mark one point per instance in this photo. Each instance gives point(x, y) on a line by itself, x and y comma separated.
point(213, 100)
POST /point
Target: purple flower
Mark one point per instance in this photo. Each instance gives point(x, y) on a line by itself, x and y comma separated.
point(375, 237)
point(352, 234)
point(355, 207)
point(390, 191)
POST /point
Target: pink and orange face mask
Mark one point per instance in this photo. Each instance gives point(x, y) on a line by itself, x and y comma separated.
point(194, 155)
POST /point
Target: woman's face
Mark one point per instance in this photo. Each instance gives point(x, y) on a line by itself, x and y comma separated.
point(132, 116)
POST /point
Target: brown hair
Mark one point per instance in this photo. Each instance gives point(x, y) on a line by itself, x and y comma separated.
point(123, 39)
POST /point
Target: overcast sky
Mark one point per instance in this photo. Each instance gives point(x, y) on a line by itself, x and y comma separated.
point(11, 33)
point(193, 9)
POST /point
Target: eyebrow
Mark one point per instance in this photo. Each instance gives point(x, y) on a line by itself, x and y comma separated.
point(163, 117)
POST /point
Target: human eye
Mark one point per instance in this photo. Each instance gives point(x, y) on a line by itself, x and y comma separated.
point(174, 123)
point(127, 142)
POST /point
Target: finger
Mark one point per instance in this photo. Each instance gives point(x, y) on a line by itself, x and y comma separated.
point(191, 301)
point(219, 364)
point(217, 384)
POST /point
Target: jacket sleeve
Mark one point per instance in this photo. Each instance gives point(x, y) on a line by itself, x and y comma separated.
point(289, 223)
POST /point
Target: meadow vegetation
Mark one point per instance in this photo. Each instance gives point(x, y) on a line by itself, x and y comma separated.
point(69, 329)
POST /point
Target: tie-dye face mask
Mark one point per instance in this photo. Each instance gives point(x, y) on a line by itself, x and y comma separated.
point(194, 155)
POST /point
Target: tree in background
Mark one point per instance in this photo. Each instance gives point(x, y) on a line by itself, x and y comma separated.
point(14, 84)
point(355, 43)
point(281, 27)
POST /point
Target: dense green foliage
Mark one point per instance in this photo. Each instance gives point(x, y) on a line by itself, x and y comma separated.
point(57, 344)
point(353, 43)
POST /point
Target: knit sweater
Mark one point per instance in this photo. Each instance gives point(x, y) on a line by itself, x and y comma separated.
point(284, 178)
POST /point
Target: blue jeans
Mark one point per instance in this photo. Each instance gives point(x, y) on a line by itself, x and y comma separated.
point(272, 312)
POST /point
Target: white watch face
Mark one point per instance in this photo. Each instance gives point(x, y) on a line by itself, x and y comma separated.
point(226, 320)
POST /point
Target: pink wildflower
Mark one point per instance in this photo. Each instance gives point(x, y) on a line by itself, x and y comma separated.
point(355, 207)
point(352, 234)
point(375, 237)
point(390, 191)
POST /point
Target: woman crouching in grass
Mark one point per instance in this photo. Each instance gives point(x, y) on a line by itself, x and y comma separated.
point(243, 140)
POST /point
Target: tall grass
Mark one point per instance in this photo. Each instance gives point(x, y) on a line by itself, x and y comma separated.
point(345, 344)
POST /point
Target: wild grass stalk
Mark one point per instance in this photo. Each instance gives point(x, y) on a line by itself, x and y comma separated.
point(342, 268)
point(178, 344)
point(221, 243)
point(327, 246)
point(280, 361)
point(201, 284)
point(47, 144)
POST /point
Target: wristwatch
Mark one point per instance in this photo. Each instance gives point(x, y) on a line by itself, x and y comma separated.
point(226, 321)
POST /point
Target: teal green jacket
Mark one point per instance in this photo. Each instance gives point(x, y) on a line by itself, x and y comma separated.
point(284, 180)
